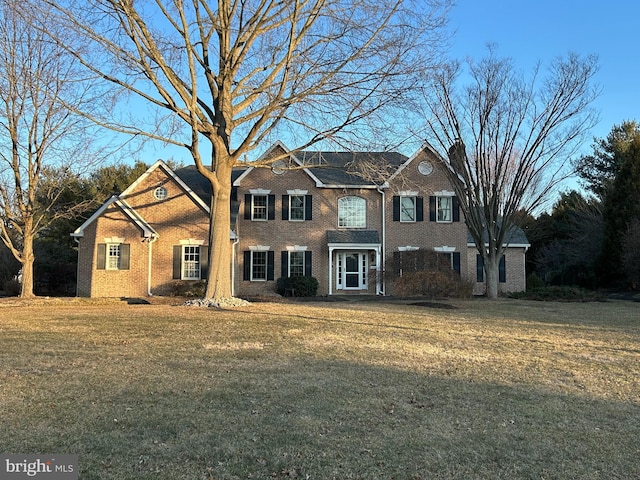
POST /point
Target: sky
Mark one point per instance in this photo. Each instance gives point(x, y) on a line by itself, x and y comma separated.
point(540, 30)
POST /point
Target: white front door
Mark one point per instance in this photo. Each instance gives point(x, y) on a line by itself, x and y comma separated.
point(351, 271)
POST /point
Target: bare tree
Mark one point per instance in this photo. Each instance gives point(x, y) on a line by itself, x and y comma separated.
point(506, 141)
point(38, 133)
point(224, 77)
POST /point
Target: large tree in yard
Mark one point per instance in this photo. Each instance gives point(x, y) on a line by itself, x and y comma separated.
point(506, 141)
point(221, 78)
point(40, 138)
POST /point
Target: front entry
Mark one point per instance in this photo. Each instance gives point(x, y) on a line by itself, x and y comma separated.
point(351, 271)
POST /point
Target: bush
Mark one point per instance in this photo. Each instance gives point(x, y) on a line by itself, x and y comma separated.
point(188, 288)
point(12, 288)
point(298, 286)
point(561, 294)
point(534, 282)
point(432, 284)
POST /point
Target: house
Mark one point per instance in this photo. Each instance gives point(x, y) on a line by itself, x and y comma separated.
point(318, 214)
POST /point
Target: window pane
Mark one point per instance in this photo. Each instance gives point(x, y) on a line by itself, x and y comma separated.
point(352, 212)
point(191, 262)
point(113, 257)
point(444, 209)
point(259, 207)
point(407, 209)
point(296, 264)
point(296, 207)
point(258, 265)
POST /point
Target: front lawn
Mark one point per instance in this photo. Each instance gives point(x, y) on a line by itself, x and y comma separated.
point(506, 389)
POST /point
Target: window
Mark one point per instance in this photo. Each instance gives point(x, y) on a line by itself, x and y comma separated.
point(191, 262)
point(352, 212)
point(296, 264)
point(408, 208)
point(160, 193)
point(296, 207)
point(444, 208)
point(259, 207)
point(113, 256)
point(258, 264)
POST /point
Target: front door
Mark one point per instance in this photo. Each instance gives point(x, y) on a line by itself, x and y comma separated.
point(352, 271)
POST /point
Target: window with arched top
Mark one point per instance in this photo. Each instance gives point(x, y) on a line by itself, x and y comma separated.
point(352, 212)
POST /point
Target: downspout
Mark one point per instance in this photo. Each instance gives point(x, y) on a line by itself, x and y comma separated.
point(234, 255)
point(382, 289)
point(77, 240)
point(150, 251)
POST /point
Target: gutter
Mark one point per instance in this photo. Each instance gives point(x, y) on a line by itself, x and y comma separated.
point(382, 287)
point(149, 263)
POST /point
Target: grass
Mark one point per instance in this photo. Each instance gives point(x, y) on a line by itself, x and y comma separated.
point(506, 389)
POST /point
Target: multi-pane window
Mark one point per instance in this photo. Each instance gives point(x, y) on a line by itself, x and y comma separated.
point(191, 262)
point(296, 264)
point(352, 212)
point(113, 256)
point(407, 209)
point(444, 207)
point(258, 265)
point(259, 205)
point(296, 207)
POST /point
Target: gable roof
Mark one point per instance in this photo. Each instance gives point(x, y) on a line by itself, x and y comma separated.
point(340, 169)
point(515, 237)
point(147, 230)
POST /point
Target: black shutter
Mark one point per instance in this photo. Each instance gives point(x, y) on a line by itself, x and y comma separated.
point(308, 207)
point(284, 263)
point(124, 256)
point(177, 262)
point(101, 260)
point(456, 209)
point(432, 209)
point(270, 268)
point(502, 270)
point(479, 268)
point(285, 207)
point(307, 264)
point(419, 209)
point(271, 206)
point(456, 262)
point(247, 206)
point(204, 262)
point(246, 268)
point(396, 208)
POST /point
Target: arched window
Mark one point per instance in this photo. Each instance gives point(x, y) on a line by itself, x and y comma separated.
point(352, 212)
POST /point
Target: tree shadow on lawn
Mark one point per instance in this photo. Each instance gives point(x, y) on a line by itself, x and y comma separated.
point(252, 415)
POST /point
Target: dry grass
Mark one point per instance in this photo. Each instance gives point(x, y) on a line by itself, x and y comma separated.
point(505, 389)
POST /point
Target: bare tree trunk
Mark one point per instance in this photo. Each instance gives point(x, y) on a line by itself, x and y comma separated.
point(492, 273)
point(219, 275)
point(27, 259)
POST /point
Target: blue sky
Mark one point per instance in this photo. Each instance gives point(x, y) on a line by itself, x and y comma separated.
point(531, 31)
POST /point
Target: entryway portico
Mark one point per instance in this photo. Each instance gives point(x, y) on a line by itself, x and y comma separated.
point(353, 255)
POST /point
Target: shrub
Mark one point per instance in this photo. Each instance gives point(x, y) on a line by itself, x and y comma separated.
point(561, 294)
point(299, 286)
point(188, 288)
point(12, 288)
point(432, 284)
point(534, 282)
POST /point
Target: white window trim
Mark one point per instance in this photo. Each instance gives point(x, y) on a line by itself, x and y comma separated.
point(183, 263)
point(415, 208)
point(266, 207)
point(364, 201)
point(108, 255)
point(408, 248)
point(444, 249)
point(304, 206)
point(297, 192)
point(266, 264)
point(438, 198)
point(289, 261)
point(297, 248)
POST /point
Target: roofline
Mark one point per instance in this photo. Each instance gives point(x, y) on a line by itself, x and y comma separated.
point(147, 230)
point(172, 174)
point(506, 245)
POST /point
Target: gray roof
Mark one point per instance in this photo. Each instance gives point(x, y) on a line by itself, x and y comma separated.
point(514, 236)
point(370, 237)
point(341, 168)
